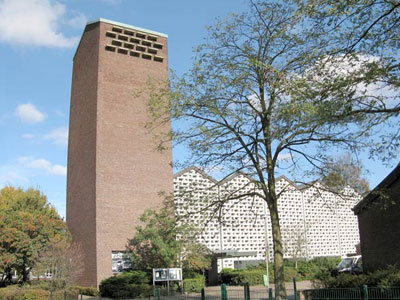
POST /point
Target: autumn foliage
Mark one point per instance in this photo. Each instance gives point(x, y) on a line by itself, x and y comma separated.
point(28, 224)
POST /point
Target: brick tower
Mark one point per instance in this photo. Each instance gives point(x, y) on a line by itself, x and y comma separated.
point(114, 171)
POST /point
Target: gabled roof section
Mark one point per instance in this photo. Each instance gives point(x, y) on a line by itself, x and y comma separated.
point(373, 195)
point(198, 170)
point(234, 175)
point(283, 177)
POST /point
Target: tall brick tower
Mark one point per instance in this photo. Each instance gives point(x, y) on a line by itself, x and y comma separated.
point(114, 171)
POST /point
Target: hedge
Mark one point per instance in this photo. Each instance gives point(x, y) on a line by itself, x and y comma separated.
point(381, 278)
point(127, 285)
point(15, 292)
point(239, 277)
point(87, 291)
point(193, 285)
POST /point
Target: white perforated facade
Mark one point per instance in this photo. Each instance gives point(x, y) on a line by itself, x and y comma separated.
point(314, 222)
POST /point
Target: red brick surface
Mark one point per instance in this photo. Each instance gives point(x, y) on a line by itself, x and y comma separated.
point(114, 171)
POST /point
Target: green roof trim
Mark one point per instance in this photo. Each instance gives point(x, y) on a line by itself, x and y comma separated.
point(127, 26)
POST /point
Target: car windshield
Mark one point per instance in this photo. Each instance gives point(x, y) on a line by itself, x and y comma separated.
point(345, 263)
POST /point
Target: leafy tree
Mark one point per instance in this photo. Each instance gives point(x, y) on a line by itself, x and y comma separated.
point(27, 224)
point(362, 35)
point(344, 171)
point(163, 242)
point(262, 89)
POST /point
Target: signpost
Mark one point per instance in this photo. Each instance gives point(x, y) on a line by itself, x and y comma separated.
point(167, 274)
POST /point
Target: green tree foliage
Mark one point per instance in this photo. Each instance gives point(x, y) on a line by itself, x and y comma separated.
point(344, 171)
point(27, 224)
point(247, 104)
point(163, 242)
point(362, 36)
point(274, 88)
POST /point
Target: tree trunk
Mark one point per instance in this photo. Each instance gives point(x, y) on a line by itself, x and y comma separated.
point(280, 290)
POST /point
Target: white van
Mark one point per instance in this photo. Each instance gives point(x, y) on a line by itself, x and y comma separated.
point(351, 264)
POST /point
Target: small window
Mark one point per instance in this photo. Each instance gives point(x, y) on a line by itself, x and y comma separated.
point(136, 41)
point(111, 34)
point(157, 45)
point(122, 51)
point(117, 29)
point(152, 38)
point(123, 37)
point(129, 46)
point(128, 32)
point(158, 58)
point(116, 43)
point(146, 43)
point(140, 48)
point(110, 48)
point(146, 56)
point(134, 53)
point(140, 35)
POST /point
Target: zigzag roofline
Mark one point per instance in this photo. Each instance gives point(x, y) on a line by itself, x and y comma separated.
point(238, 173)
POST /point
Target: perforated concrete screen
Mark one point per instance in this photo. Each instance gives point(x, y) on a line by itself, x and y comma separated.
point(321, 222)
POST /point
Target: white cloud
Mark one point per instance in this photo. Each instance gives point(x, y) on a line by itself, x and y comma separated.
point(78, 21)
point(284, 157)
point(34, 23)
point(59, 136)
point(342, 67)
point(43, 164)
point(28, 113)
point(112, 1)
point(12, 175)
point(28, 136)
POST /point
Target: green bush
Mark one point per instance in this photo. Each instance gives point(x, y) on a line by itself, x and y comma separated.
point(289, 273)
point(306, 270)
point(381, 278)
point(127, 285)
point(239, 277)
point(15, 292)
point(329, 263)
point(193, 285)
point(87, 291)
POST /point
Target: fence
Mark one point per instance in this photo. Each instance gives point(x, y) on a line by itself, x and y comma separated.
point(226, 293)
point(364, 293)
point(247, 293)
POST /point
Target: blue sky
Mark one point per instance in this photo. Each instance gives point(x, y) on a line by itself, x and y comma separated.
point(38, 39)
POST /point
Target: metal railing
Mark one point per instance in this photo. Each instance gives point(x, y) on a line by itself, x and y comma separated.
point(364, 293)
point(247, 293)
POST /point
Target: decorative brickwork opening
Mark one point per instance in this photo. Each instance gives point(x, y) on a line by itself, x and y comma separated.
point(123, 40)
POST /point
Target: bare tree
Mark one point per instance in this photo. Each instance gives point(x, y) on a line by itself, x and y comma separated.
point(61, 265)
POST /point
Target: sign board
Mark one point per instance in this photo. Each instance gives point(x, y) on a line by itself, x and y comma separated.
point(120, 261)
point(167, 274)
point(266, 280)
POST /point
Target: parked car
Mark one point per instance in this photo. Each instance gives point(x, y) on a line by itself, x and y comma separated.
point(351, 264)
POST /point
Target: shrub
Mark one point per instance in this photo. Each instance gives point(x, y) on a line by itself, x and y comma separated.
point(306, 269)
point(289, 273)
point(34, 293)
point(191, 285)
point(127, 285)
point(381, 278)
point(87, 291)
point(239, 277)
